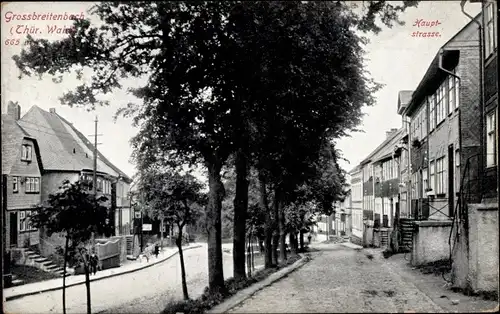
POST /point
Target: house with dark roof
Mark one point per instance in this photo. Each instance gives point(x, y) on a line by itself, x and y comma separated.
point(66, 154)
point(21, 181)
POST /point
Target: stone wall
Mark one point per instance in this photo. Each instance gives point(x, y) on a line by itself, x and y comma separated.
point(475, 264)
point(368, 234)
point(430, 242)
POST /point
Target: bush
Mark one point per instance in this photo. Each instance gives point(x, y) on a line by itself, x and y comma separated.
point(210, 300)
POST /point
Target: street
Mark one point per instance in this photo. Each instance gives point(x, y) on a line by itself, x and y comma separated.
point(338, 280)
point(144, 291)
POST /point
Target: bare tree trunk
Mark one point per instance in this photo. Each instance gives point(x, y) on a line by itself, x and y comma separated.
point(87, 283)
point(240, 216)
point(276, 244)
point(301, 235)
point(268, 252)
point(281, 225)
point(214, 229)
point(293, 246)
point(253, 256)
point(65, 263)
point(178, 242)
point(249, 260)
point(161, 231)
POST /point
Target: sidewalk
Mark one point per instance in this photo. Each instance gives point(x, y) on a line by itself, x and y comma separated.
point(435, 287)
point(128, 267)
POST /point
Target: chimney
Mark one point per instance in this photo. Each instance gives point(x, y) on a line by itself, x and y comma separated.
point(389, 133)
point(14, 110)
point(52, 110)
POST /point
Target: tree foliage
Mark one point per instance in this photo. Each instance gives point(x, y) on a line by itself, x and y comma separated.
point(175, 197)
point(289, 73)
point(77, 214)
point(72, 210)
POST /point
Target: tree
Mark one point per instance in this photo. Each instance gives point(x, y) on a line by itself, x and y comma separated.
point(190, 58)
point(177, 198)
point(76, 213)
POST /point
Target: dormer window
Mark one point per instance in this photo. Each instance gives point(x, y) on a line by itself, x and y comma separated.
point(26, 153)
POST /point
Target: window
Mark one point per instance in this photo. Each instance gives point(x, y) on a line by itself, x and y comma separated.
point(22, 221)
point(15, 184)
point(432, 178)
point(451, 94)
point(440, 104)
point(99, 184)
point(444, 90)
point(457, 170)
point(425, 179)
point(32, 185)
point(26, 153)
point(440, 176)
point(490, 140)
point(490, 36)
point(432, 112)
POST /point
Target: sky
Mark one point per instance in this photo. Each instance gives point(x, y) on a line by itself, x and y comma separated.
point(393, 58)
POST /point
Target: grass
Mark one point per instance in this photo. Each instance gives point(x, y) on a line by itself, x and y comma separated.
point(209, 300)
point(30, 274)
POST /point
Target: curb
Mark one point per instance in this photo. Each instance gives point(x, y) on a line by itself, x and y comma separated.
point(246, 293)
point(13, 297)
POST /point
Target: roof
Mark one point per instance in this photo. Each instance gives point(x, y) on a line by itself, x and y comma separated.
point(62, 146)
point(451, 54)
point(12, 135)
point(355, 169)
point(404, 96)
point(385, 148)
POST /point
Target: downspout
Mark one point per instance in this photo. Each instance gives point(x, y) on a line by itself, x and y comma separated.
point(481, 95)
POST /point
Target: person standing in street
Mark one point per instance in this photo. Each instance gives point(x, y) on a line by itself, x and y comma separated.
point(157, 250)
point(94, 260)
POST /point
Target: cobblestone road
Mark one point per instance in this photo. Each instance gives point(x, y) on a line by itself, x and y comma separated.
point(339, 280)
point(144, 291)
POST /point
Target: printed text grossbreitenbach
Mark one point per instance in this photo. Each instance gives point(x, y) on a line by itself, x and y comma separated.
point(19, 24)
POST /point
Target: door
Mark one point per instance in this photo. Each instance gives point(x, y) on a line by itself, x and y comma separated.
point(13, 229)
point(451, 181)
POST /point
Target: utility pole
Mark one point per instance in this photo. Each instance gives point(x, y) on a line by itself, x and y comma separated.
point(94, 179)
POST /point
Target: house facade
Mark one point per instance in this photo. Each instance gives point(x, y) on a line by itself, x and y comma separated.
point(356, 205)
point(66, 154)
point(490, 100)
point(444, 130)
point(21, 181)
point(380, 177)
point(475, 250)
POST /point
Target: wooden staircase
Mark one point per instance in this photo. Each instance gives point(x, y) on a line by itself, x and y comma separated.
point(384, 238)
point(407, 227)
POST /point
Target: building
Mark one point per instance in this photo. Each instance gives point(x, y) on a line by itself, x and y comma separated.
point(21, 178)
point(356, 205)
point(444, 129)
point(380, 177)
point(490, 100)
point(475, 246)
point(404, 98)
point(342, 217)
point(66, 154)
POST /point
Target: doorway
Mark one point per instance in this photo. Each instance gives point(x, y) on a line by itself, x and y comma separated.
point(13, 229)
point(451, 181)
